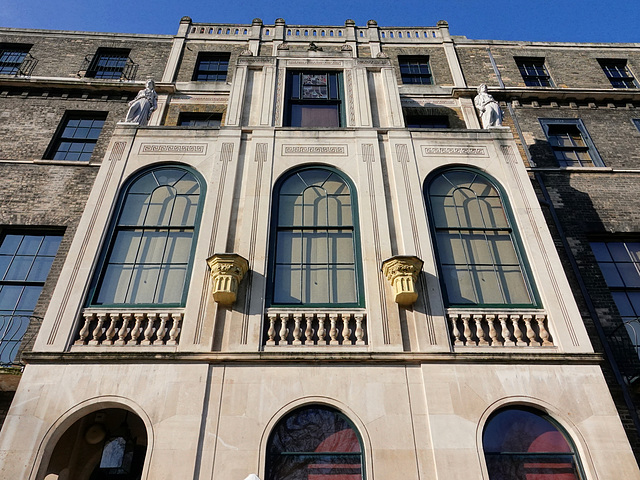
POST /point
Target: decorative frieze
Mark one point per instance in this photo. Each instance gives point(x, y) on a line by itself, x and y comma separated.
point(314, 150)
point(173, 148)
point(455, 151)
point(227, 271)
point(402, 273)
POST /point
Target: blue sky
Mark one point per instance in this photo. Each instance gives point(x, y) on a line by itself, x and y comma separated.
point(537, 20)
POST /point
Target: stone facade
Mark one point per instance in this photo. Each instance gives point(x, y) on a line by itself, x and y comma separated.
point(195, 386)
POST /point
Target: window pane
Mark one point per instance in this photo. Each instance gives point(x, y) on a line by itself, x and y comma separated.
point(287, 284)
point(126, 246)
point(171, 284)
point(30, 245)
point(143, 284)
point(152, 247)
point(289, 248)
point(19, 269)
point(160, 206)
point(10, 244)
point(115, 284)
point(178, 248)
point(134, 209)
point(40, 269)
point(290, 210)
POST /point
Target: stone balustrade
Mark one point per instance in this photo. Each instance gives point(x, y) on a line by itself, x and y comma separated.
point(336, 328)
point(116, 328)
point(502, 329)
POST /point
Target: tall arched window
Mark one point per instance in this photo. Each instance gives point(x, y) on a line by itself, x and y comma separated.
point(523, 444)
point(149, 253)
point(315, 245)
point(314, 442)
point(477, 247)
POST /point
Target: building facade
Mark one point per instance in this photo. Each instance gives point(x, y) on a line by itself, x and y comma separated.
point(313, 262)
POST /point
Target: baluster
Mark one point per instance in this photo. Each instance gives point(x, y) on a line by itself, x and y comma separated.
point(321, 330)
point(506, 334)
point(531, 335)
point(297, 331)
point(284, 331)
point(515, 321)
point(111, 331)
point(467, 330)
point(162, 329)
point(544, 334)
point(479, 331)
point(333, 331)
point(137, 329)
point(148, 332)
point(493, 333)
point(97, 332)
point(346, 331)
point(454, 330)
point(359, 330)
point(308, 332)
point(84, 331)
point(122, 332)
point(175, 329)
point(271, 333)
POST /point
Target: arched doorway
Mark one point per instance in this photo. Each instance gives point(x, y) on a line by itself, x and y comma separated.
point(108, 444)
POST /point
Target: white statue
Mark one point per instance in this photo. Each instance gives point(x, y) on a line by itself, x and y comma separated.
point(488, 107)
point(141, 107)
point(253, 476)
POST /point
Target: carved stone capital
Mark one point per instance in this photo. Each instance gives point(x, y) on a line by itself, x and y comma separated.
point(227, 270)
point(402, 272)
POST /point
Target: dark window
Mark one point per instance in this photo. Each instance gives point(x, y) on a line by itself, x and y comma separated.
point(534, 72)
point(211, 67)
point(636, 122)
point(149, 256)
point(315, 253)
point(618, 73)
point(415, 70)
point(314, 442)
point(426, 121)
point(77, 136)
point(11, 58)
point(199, 119)
point(570, 143)
point(108, 63)
point(314, 99)
point(476, 245)
point(521, 443)
point(25, 261)
point(619, 263)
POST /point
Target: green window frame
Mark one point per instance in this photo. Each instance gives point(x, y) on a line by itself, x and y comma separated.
point(521, 442)
point(315, 441)
point(148, 258)
point(478, 250)
point(315, 241)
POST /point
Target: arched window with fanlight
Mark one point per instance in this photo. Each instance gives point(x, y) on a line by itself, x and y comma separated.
point(522, 443)
point(314, 442)
point(479, 255)
point(315, 251)
point(148, 256)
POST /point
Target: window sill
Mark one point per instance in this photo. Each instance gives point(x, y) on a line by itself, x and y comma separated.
point(65, 162)
point(572, 169)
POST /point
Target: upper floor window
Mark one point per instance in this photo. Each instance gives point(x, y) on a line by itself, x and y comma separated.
point(314, 99)
point(77, 136)
point(636, 122)
point(315, 252)
point(415, 69)
point(148, 259)
point(521, 443)
point(12, 57)
point(618, 73)
point(477, 248)
point(619, 263)
point(211, 67)
point(25, 261)
point(534, 72)
point(571, 143)
point(314, 442)
point(426, 121)
point(189, 119)
point(108, 63)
